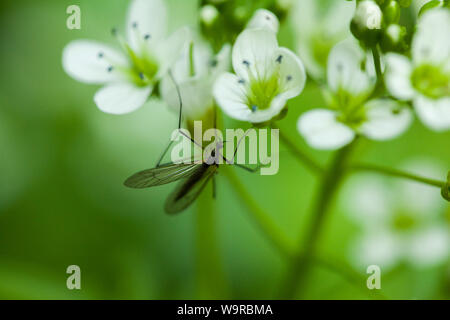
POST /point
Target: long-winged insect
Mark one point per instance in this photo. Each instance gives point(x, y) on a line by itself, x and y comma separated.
point(194, 176)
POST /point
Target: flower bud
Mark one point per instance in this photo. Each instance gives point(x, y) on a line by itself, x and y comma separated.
point(391, 13)
point(284, 4)
point(222, 20)
point(394, 39)
point(368, 15)
point(366, 23)
point(208, 14)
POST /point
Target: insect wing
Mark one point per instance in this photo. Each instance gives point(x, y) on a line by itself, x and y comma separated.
point(161, 175)
point(188, 190)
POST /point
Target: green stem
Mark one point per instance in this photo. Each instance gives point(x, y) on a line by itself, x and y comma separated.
point(379, 86)
point(302, 259)
point(274, 235)
point(211, 279)
point(300, 154)
point(351, 277)
point(377, 63)
point(397, 173)
point(279, 241)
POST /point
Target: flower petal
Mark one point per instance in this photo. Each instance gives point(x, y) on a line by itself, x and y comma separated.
point(381, 248)
point(88, 61)
point(223, 60)
point(263, 18)
point(338, 17)
point(321, 130)
point(318, 29)
point(368, 201)
point(230, 96)
point(398, 75)
point(431, 43)
point(254, 49)
point(386, 119)
point(344, 71)
point(429, 246)
point(202, 56)
point(196, 94)
point(292, 73)
point(146, 18)
point(170, 50)
point(121, 98)
point(435, 114)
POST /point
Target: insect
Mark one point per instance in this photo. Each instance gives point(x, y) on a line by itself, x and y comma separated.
point(193, 177)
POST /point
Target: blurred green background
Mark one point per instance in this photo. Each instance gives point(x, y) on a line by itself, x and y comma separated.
point(62, 202)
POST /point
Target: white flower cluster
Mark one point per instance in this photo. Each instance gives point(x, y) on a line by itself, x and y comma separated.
point(266, 75)
point(426, 78)
point(401, 222)
point(424, 83)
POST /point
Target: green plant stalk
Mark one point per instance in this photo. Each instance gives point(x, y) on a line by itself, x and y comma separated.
point(211, 282)
point(300, 154)
point(301, 261)
point(377, 63)
point(274, 235)
point(347, 274)
point(397, 173)
point(280, 242)
point(379, 86)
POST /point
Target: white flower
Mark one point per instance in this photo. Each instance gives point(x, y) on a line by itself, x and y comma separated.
point(368, 15)
point(400, 222)
point(129, 76)
point(195, 73)
point(266, 77)
point(426, 79)
point(350, 112)
point(318, 29)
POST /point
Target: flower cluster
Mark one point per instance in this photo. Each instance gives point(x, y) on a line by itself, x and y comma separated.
point(402, 221)
point(364, 100)
point(266, 76)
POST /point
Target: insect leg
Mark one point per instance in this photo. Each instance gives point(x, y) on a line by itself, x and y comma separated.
point(237, 147)
point(252, 170)
point(164, 153)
